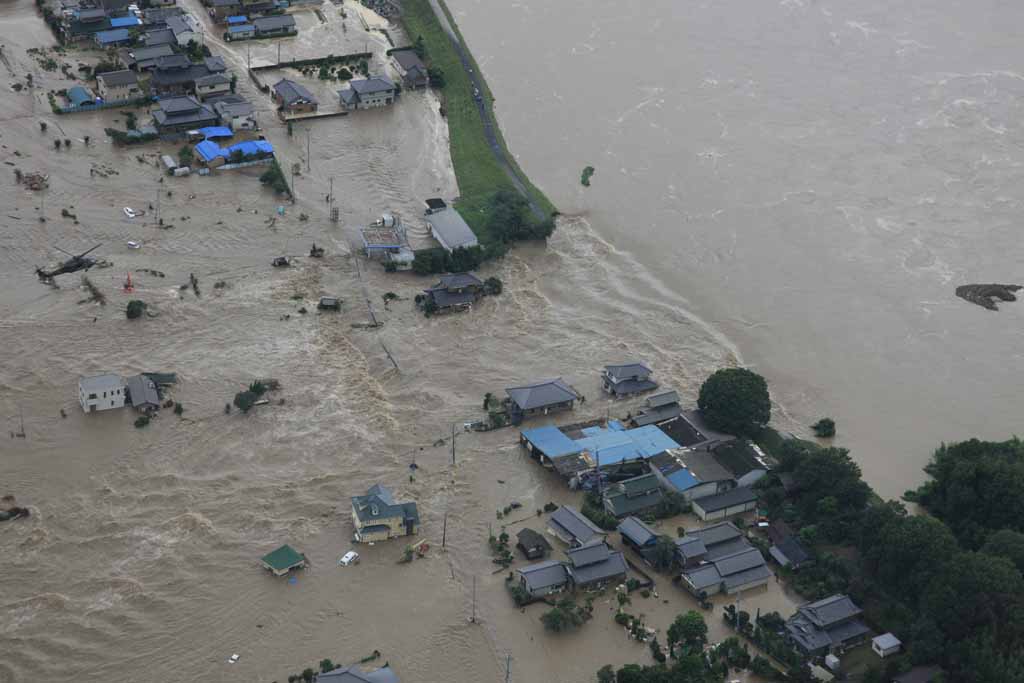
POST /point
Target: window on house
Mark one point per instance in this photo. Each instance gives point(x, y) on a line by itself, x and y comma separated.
point(92, 396)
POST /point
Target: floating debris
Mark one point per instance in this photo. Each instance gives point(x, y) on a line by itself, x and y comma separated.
point(986, 295)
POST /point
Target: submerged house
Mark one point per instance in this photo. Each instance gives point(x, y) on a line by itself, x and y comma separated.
point(659, 407)
point(354, 674)
point(543, 578)
point(634, 496)
point(377, 517)
point(458, 291)
point(294, 98)
point(533, 545)
point(595, 564)
point(283, 560)
point(637, 535)
point(573, 527)
point(118, 85)
point(450, 229)
point(179, 114)
point(627, 379)
point(235, 112)
point(708, 544)
point(143, 394)
point(101, 392)
point(278, 25)
point(729, 574)
point(829, 625)
point(577, 451)
point(411, 68)
point(367, 93)
point(540, 398)
point(722, 505)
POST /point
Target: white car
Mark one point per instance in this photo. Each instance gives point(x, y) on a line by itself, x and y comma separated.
point(130, 212)
point(351, 557)
point(232, 659)
point(132, 244)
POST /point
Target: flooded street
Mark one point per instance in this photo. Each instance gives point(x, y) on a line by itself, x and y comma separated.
point(813, 179)
point(142, 552)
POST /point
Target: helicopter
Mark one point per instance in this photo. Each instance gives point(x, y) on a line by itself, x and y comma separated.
point(73, 264)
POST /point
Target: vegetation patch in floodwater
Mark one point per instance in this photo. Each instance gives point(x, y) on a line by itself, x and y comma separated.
point(588, 173)
point(986, 295)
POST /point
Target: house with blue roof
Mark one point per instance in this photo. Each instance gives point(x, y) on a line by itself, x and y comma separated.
point(124, 22)
point(117, 36)
point(573, 449)
point(241, 31)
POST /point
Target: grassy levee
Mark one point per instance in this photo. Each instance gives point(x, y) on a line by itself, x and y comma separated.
point(478, 171)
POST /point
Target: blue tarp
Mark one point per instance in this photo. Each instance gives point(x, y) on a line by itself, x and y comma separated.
point(211, 132)
point(610, 445)
point(238, 20)
point(124, 22)
point(77, 95)
point(208, 150)
point(682, 480)
point(118, 35)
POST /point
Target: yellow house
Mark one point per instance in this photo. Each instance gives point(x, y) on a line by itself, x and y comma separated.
point(377, 517)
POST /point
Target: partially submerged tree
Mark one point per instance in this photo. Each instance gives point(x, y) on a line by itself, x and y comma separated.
point(825, 428)
point(735, 401)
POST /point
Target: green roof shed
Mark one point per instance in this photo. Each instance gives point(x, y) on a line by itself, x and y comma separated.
point(283, 560)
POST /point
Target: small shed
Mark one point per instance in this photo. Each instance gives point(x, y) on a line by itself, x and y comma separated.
point(885, 645)
point(80, 97)
point(532, 544)
point(283, 560)
point(169, 163)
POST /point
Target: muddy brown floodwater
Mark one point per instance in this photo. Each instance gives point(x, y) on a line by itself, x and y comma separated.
point(142, 550)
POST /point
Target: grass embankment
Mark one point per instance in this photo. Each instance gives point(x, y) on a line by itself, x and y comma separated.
point(478, 171)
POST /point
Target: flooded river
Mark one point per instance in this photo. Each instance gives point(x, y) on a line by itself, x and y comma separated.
point(813, 178)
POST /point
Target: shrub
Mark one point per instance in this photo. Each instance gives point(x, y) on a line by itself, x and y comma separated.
point(493, 286)
point(185, 155)
point(585, 177)
point(274, 177)
point(245, 400)
point(135, 309)
point(825, 428)
point(178, 409)
point(141, 421)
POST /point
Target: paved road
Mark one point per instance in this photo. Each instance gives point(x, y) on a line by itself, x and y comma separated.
point(490, 127)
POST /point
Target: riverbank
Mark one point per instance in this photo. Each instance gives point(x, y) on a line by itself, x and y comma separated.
point(483, 164)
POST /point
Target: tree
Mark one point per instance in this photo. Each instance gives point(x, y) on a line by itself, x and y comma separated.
point(185, 155)
point(825, 428)
point(493, 286)
point(563, 616)
point(688, 630)
point(1006, 543)
point(435, 77)
point(234, 84)
point(42, 126)
point(326, 665)
point(56, 145)
point(908, 552)
point(308, 675)
point(735, 401)
point(664, 552)
point(135, 309)
point(245, 400)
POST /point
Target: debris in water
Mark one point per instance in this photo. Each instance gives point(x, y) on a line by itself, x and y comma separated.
point(986, 295)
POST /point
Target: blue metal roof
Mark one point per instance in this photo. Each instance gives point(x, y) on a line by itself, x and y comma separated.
point(608, 445)
point(616, 425)
point(682, 480)
point(118, 35)
point(124, 22)
point(238, 19)
point(242, 28)
point(210, 150)
point(215, 132)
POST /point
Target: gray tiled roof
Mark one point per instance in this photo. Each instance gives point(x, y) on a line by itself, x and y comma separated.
point(142, 391)
point(612, 566)
point(569, 522)
point(378, 503)
point(546, 393)
point(662, 399)
point(407, 59)
point(116, 78)
point(541, 575)
point(627, 370)
point(528, 538)
point(163, 36)
point(830, 610)
point(636, 531)
point(591, 553)
point(370, 86)
point(721, 501)
point(292, 92)
point(275, 23)
point(354, 674)
point(459, 280)
point(734, 570)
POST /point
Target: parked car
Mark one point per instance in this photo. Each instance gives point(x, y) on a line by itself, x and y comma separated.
point(349, 558)
point(329, 303)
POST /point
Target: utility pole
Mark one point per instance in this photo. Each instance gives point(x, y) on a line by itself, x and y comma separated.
point(279, 53)
point(453, 443)
point(472, 619)
point(508, 668)
point(158, 206)
point(444, 529)
point(248, 56)
point(307, 149)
